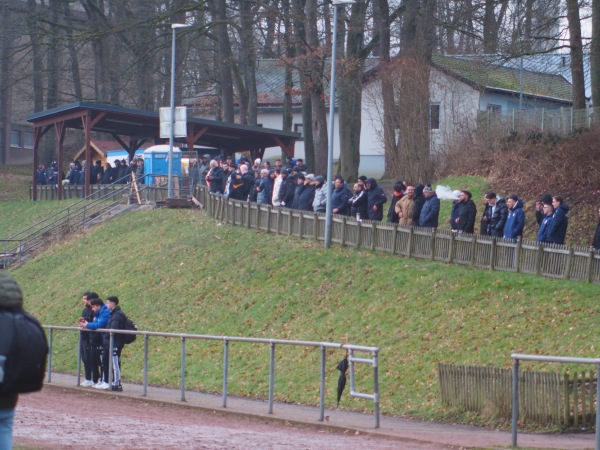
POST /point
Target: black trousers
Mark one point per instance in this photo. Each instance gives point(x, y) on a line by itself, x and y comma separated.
point(89, 357)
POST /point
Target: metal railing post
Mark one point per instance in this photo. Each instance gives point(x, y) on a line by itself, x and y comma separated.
point(322, 387)
point(271, 376)
point(182, 381)
point(79, 358)
point(225, 370)
point(376, 388)
point(50, 342)
point(515, 401)
point(145, 365)
point(111, 343)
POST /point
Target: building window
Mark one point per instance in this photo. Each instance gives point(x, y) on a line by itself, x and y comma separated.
point(299, 128)
point(434, 116)
point(15, 138)
point(494, 109)
point(27, 140)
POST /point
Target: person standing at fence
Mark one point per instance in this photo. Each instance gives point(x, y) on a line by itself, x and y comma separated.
point(376, 198)
point(430, 213)
point(546, 225)
point(320, 198)
point(101, 317)
point(404, 207)
point(596, 237)
point(214, 178)
point(494, 215)
point(467, 213)
point(544, 199)
point(560, 221)
point(89, 354)
point(515, 221)
point(116, 322)
point(392, 215)
point(307, 196)
point(418, 204)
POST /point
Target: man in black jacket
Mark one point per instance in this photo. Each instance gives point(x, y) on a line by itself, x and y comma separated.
point(494, 216)
point(89, 353)
point(376, 198)
point(466, 213)
point(116, 322)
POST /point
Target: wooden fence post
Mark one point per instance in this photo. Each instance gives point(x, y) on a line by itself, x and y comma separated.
point(518, 255)
point(316, 226)
point(290, 218)
point(358, 233)
point(538, 258)
point(278, 223)
point(493, 254)
point(451, 248)
point(394, 238)
point(433, 235)
point(588, 268)
point(344, 225)
point(268, 219)
point(301, 225)
point(473, 249)
point(373, 235)
point(409, 245)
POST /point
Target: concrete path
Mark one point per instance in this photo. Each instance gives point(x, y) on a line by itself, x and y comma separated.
point(403, 430)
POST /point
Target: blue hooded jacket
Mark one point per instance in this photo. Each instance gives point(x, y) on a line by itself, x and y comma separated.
point(557, 231)
point(515, 222)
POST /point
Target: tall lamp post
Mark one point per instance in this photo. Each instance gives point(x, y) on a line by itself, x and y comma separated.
point(328, 208)
point(174, 27)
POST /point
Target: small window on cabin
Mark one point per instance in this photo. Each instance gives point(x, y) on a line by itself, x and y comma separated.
point(299, 128)
point(434, 116)
point(15, 138)
point(494, 109)
point(27, 140)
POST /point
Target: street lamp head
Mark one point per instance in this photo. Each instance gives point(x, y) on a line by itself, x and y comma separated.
point(343, 2)
point(179, 25)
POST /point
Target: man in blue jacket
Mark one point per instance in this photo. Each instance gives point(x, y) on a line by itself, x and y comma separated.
point(515, 222)
point(560, 221)
point(101, 318)
point(430, 213)
point(546, 224)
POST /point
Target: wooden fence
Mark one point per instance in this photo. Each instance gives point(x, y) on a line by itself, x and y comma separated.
point(566, 400)
point(556, 261)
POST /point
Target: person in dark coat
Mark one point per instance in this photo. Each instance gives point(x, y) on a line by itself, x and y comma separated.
point(430, 213)
point(359, 202)
point(116, 322)
point(89, 355)
point(543, 233)
point(107, 178)
point(339, 197)
point(560, 221)
point(40, 175)
point(515, 221)
point(596, 237)
point(307, 197)
point(265, 188)
point(215, 178)
point(287, 188)
point(418, 203)
point(376, 198)
point(454, 212)
point(300, 186)
point(399, 188)
point(494, 215)
point(544, 199)
point(466, 213)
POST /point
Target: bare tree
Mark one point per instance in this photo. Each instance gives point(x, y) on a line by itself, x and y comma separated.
point(576, 54)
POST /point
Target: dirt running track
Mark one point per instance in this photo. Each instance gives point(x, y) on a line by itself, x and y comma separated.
point(59, 418)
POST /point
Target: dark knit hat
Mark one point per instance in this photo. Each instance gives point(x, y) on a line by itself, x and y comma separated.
point(11, 296)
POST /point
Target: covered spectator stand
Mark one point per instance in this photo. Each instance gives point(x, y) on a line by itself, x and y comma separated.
point(131, 128)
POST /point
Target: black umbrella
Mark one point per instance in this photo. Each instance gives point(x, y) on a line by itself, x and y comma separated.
point(342, 367)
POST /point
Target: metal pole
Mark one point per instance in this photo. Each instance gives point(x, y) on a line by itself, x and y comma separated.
point(376, 387)
point(328, 208)
point(172, 131)
point(322, 387)
point(79, 359)
point(515, 401)
point(598, 407)
point(50, 338)
point(182, 386)
point(111, 342)
point(271, 377)
point(145, 365)
point(225, 371)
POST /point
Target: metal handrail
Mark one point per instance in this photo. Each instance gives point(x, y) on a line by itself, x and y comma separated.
point(351, 348)
point(516, 357)
point(68, 216)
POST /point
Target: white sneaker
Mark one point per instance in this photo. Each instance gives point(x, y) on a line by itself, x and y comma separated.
point(103, 386)
point(87, 383)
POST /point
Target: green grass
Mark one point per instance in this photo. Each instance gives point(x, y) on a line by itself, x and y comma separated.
point(18, 215)
point(179, 271)
point(15, 182)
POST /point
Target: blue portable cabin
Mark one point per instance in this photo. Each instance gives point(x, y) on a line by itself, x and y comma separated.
point(156, 162)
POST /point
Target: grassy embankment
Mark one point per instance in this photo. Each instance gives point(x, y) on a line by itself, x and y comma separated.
point(179, 271)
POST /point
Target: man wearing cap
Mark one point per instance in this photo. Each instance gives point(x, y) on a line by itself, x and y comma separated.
point(430, 213)
point(307, 196)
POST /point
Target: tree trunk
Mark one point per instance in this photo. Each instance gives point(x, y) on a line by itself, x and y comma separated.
point(350, 95)
point(288, 116)
point(248, 58)
point(225, 58)
point(595, 53)
point(576, 54)
point(73, 56)
point(317, 93)
point(6, 81)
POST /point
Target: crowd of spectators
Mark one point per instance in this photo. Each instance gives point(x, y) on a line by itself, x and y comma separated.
point(118, 172)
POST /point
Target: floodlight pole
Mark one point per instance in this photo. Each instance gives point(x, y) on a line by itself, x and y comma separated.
point(174, 27)
point(329, 180)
